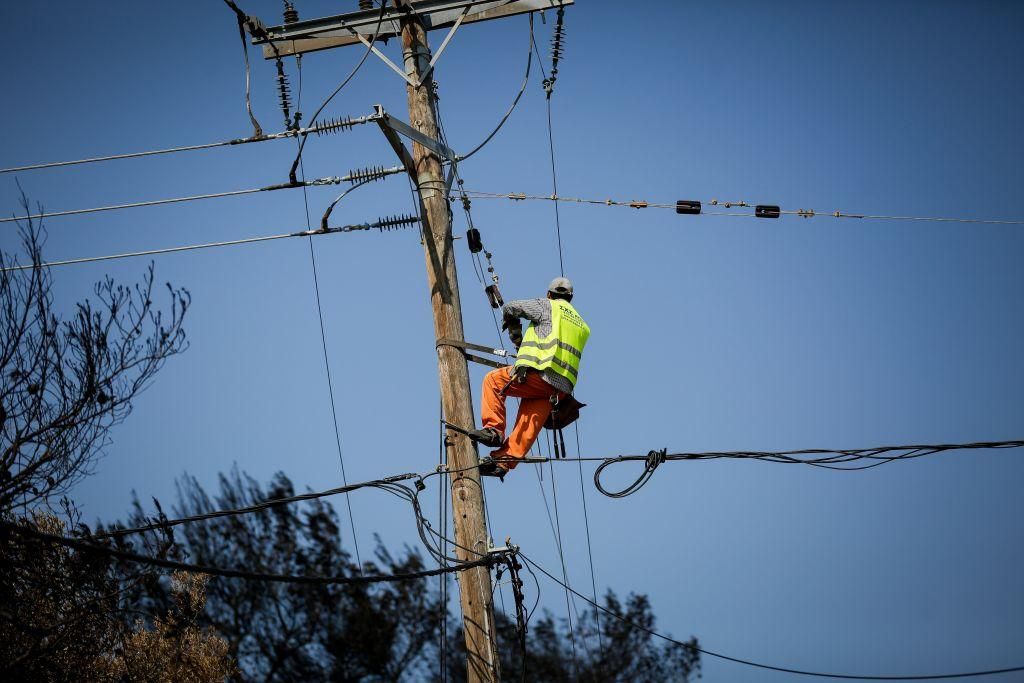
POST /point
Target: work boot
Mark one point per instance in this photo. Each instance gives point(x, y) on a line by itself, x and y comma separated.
point(488, 436)
point(490, 468)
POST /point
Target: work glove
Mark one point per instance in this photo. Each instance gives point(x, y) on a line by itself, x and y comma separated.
point(516, 337)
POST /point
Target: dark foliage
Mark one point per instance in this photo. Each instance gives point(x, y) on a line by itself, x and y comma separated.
point(65, 384)
point(621, 653)
point(381, 632)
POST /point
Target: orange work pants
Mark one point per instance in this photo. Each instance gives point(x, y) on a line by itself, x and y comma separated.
point(534, 410)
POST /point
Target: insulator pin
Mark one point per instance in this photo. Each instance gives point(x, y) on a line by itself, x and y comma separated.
point(688, 206)
point(767, 211)
point(291, 15)
point(328, 126)
point(395, 222)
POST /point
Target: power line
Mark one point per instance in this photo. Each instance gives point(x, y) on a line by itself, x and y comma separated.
point(382, 224)
point(320, 129)
point(831, 459)
point(515, 101)
point(804, 213)
point(84, 546)
point(747, 662)
point(258, 507)
point(329, 180)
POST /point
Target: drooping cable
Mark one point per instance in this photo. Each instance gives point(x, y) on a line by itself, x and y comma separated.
point(590, 550)
point(85, 546)
point(565, 573)
point(515, 101)
point(243, 19)
point(351, 75)
point(323, 334)
point(548, 85)
point(747, 662)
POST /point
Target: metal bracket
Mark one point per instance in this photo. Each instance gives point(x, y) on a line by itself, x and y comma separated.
point(384, 58)
point(440, 49)
point(392, 127)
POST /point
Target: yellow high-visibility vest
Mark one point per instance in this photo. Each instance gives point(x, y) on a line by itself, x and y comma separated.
point(560, 351)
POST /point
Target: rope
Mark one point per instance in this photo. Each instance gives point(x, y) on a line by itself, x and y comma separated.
point(84, 546)
point(718, 655)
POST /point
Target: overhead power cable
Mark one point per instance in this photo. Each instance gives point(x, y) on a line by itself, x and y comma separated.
point(759, 210)
point(758, 665)
point(330, 126)
point(849, 459)
point(329, 180)
point(312, 121)
point(515, 101)
point(249, 509)
point(382, 224)
point(84, 546)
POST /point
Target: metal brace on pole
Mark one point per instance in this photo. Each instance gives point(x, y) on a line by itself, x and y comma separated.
point(391, 127)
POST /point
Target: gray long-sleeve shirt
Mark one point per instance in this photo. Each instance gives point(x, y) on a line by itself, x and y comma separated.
point(538, 311)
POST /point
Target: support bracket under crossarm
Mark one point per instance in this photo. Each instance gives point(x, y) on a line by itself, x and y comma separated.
point(392, 128)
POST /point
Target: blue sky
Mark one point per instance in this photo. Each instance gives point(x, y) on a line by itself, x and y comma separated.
point(709, 333)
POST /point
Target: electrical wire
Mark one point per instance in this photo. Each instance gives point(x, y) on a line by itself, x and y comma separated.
point(330, 180)
point(804, 213)
point(380, 224)
point(320, 317)
point(351, 75)
point(515, 101)
point(747, 662)
point(258, 507)
point(551, 150)
point(84, 546)
point(319, 129)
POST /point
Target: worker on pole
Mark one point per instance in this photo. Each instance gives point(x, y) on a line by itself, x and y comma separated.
point(545, 373)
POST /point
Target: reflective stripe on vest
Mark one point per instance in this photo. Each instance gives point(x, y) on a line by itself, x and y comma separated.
point(561, 351)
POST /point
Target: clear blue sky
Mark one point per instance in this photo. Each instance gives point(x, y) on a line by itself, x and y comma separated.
point(708, 333)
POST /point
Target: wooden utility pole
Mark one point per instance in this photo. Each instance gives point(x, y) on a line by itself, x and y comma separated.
point(405, 18)
point(456, 399)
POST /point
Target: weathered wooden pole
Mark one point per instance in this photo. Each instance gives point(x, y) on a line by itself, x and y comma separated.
point(456, 398)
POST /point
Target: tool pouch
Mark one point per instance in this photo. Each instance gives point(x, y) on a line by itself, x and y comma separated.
point(564, 412)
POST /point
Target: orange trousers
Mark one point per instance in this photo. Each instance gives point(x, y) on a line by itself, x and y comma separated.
point(534, 410)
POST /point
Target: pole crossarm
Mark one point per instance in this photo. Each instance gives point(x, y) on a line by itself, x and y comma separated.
point(354, 27)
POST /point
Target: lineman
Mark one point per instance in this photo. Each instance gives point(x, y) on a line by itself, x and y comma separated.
point(546, 370)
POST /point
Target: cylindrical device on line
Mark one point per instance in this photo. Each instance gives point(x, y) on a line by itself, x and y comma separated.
point(767, 211)
point(473, 240)
point(494, 296)
point(687, 206)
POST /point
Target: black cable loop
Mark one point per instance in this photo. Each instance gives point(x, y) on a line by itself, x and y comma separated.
point(651, 462)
